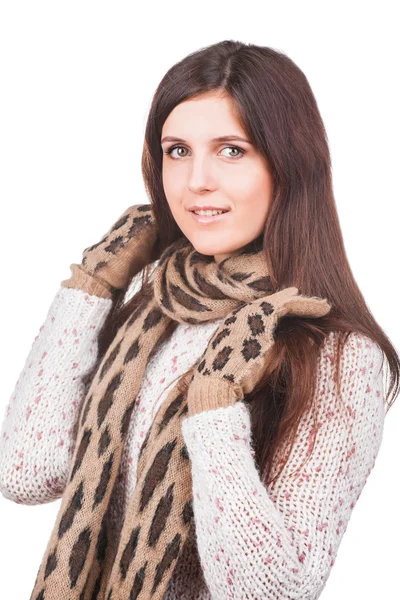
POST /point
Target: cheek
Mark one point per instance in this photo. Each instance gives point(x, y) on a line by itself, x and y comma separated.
point(252, 203)
point(255, 195)
point(171, 193)
point(173, 187)
point(167, 181)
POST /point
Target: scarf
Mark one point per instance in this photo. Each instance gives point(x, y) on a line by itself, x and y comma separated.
point(85, 558)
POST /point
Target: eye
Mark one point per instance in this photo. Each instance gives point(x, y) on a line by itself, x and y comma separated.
point(235, 148)
point(170, 150)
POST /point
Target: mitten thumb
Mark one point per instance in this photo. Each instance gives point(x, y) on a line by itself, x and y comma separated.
point(289, 302)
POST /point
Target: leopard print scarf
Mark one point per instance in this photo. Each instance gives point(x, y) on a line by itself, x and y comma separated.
point(85, 559)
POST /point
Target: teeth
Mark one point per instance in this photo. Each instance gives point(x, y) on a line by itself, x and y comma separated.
point(208, 213)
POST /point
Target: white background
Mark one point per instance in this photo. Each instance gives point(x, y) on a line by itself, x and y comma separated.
point(76, 83)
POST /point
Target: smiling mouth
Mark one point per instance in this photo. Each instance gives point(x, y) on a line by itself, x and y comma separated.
point(210, 211)
point(209, 218)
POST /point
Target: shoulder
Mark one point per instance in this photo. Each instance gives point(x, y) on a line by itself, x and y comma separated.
point(360, 387)
point(358, 353)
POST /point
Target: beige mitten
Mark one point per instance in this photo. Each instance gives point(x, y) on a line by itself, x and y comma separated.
point(234, 360)
point(122, 252)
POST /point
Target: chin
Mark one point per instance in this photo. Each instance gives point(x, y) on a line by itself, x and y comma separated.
point(209, 243)
point(211, 250)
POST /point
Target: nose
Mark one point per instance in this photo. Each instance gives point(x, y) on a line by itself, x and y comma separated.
point(200, 176)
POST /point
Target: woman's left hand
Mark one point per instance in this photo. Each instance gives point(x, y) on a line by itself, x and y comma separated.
point(238, 351)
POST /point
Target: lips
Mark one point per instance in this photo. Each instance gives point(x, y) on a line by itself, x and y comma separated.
point(194, 208)
point(210, 219)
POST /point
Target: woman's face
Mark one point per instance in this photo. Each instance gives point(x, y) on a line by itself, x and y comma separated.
point(229, 174)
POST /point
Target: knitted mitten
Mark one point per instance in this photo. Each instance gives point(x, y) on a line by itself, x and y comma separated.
point(122, 252)
point(234, 360)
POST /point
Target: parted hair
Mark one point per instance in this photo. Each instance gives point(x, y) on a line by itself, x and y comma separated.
point(302, 239)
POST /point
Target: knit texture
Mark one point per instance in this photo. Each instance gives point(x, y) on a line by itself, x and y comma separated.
point(249, 540)
point(85, 556)
point(36, 442)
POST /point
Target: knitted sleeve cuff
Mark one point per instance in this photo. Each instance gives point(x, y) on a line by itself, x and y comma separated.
point(87, 283)
point(207, 393)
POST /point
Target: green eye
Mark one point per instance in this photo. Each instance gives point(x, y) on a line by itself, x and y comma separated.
point(235, 148)
point(169, 151)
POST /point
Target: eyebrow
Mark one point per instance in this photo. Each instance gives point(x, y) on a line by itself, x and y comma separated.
point(222, 138)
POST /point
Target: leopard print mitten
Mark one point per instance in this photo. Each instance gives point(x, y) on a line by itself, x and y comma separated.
point(122, 252)
point(235, 358)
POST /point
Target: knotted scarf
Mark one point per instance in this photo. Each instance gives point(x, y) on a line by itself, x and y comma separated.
point(85, 558)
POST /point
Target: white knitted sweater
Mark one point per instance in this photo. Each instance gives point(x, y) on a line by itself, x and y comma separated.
point(248, 540)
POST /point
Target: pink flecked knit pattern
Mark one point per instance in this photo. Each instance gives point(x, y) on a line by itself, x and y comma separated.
point(36, 443)
point(248, 540)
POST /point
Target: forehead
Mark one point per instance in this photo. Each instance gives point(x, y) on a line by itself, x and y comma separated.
point(203, 117)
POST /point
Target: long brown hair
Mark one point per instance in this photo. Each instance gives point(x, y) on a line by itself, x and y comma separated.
point(302, 239)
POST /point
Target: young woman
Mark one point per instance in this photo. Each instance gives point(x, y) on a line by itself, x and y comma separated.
point(211, 435)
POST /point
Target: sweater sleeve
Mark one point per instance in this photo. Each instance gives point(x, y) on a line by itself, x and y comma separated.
point(280, 540)
point(36, 440)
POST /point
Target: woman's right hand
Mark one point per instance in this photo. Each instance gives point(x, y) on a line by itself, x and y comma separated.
point(122, 252)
